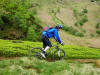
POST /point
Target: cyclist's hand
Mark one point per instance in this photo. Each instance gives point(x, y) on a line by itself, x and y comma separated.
point(62, 44)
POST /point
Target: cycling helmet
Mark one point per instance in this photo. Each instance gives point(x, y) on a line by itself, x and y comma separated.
point(59, 26)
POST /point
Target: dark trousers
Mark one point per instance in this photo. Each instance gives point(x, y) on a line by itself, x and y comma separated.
point(46, 41)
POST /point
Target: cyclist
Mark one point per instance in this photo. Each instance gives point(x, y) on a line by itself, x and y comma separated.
point(49, 33)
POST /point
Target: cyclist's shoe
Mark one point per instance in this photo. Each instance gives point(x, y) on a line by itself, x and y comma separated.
point(62, 44)
point(43, 54)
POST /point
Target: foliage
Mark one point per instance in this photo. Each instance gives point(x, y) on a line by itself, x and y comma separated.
point(97, 25)
point(79, 34)
point(92, 35)
point(1, 22)
point(75, 12)
point(83, 20)
point(31, 34)
point(83, 30)
point(98, 31)
point(19, 17)
point(81, 17)
point(85, 10)
point(76, 23)
point(72, 31)
point(92, 0)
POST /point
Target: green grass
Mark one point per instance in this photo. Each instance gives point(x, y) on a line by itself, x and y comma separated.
point(26, 66)
point(10, 49)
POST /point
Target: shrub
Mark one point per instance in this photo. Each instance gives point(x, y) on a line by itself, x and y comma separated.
point(1, 22)
point(81, 14)
point(83, 30)
point(97, 25)
point(84, 19)
point(92, 0)
point(79, 34)
point(76, 23)
point(70, 29)
point(20, 17)
point(75, 13)
point(92, 35)
point(8, 48)
point(98, 31)
point(81, 23)
point(32, 35)
point(85, 10)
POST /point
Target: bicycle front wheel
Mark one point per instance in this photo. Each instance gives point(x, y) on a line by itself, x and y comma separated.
point(35, 52)
point(59, 54)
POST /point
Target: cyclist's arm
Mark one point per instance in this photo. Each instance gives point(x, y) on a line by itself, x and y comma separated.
point(57, 36)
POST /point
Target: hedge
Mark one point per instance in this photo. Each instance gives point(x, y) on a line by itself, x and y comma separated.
point(10, 48)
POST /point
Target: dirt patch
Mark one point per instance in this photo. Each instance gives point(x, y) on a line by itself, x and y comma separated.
point(85, 60)
point(95, 43)
point(45, 18)
point(7, 58)
point(66, 15)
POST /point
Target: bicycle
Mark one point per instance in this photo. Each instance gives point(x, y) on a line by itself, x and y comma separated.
point(57, 53)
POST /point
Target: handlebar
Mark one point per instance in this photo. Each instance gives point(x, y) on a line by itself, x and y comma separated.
point(58, 44)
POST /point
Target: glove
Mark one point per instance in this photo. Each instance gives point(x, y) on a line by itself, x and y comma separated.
point(62, 44)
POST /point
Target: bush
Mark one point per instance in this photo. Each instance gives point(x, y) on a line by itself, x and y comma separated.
point(81, 23)
point(32, 35)
point(73, 31)
point(92, 0)
point(8, 48)
point(92, 35)
point(98, 32)
point(79, 34)
point(20, 17)
point(75, 13)
point(76, 23)
point(1, 22)
point(97, 25)
point(85, 10)
point(83, 30)
point(70, 29)
point(84, 19)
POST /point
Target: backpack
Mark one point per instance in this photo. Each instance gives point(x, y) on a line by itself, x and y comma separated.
point(47, 28)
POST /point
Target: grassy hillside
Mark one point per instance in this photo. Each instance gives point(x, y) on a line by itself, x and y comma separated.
point(80, 19)
point(12, 48)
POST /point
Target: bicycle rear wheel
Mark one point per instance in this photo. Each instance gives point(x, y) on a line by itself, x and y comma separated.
point(59, 54)
point(35, 52)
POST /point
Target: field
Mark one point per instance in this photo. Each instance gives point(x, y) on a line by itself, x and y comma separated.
point(26, 66)
point(14, 60)
point(18, 48)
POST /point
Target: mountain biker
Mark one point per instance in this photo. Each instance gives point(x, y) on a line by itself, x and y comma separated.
point(52, 32)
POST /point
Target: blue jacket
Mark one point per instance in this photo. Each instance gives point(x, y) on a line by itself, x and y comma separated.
point(52, 33)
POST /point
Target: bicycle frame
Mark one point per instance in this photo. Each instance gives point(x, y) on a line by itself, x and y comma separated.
point(56, 47)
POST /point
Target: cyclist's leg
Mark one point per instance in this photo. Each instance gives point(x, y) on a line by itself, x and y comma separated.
point(46, 45)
